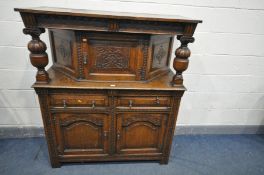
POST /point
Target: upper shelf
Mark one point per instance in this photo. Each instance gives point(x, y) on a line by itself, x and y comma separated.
point(107, 14)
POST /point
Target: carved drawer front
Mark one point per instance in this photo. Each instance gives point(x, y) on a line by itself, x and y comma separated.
point(139, 133)
point(143, 101)
point(81, 134)
point(79, 100)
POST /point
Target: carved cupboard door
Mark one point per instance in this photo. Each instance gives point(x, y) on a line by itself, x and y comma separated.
point(111, 56)
point(82, 134)
point(139, 133)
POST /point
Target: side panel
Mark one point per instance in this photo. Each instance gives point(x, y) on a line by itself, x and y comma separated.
point(64, 51)
point(161, 46)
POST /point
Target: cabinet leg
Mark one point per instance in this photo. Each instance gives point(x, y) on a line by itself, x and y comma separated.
point(164, 161)
point(55, 164)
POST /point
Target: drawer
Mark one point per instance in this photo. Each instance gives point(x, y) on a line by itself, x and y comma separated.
point(147, 101)
point(78, 100)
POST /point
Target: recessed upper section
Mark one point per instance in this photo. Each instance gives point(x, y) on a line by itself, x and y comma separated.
point(107, 14)
point(110, 46)
point(105, 56)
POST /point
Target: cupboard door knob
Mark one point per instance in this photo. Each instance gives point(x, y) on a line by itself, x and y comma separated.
point(105, 134)
point(118, 135)
point(85, 59)
point(93, 104)
point(157, 100)
point(64, 103)
point(130, 104)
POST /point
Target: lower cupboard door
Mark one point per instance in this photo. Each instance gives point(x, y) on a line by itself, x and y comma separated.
point(140, 133)
point(82, 134)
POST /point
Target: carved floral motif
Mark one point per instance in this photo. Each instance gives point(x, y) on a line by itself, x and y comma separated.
point(160, 54)
point(112, 58)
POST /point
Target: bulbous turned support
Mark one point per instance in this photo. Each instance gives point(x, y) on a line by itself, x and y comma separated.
point(180, 62)
point(38, 55)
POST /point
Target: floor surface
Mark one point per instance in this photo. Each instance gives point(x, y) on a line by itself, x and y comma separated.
point(191, 155)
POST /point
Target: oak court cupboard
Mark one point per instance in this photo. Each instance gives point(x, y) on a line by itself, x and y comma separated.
point(110, 94)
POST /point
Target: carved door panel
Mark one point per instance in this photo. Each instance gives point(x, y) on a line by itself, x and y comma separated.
point(111, 56)
point(139, 133)
point(78, 134)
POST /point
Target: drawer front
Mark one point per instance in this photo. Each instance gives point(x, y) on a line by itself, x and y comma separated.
point(144, 101)
point(78, 100)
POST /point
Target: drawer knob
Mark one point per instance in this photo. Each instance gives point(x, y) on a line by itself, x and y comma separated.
point(157, 100)
point(130, 104)
point(64, 103)
point(93, 104)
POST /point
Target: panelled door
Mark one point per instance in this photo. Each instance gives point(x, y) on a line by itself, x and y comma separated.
point(82, 134)
point(139, 133)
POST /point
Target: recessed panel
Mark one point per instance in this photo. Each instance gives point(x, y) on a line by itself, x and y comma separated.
point(160, 55)
point(62, 47)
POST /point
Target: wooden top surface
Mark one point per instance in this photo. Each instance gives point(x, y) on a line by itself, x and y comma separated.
point(107, 14)
point(59, 80)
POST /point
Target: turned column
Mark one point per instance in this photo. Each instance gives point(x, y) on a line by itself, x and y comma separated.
point(181, 61)
point(38, 55)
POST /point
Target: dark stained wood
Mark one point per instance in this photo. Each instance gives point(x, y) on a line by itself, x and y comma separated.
point(140, 133)
point(181, 62)
point(112, 128)
point(60, 80)
point(110, 56)
point(38, 55)
point(77, 134)
point(109, 95)
point(62, 18)
point(106, 14)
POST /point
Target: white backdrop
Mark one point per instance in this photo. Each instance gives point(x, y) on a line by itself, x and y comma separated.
point(225, 78)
